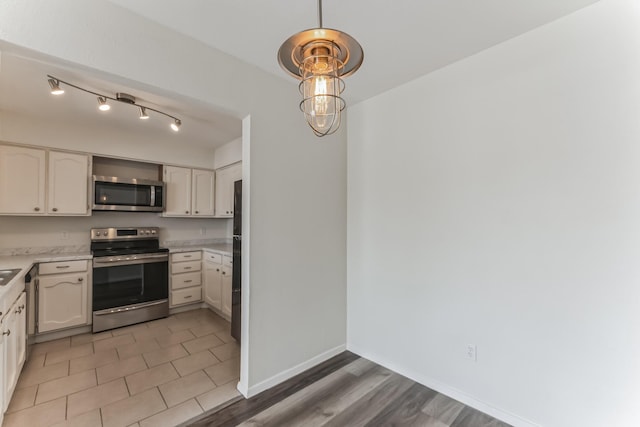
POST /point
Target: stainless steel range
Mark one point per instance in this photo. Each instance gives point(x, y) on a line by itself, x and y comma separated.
point(130, 277)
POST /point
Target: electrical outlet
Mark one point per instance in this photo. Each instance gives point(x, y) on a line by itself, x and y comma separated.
point(471, 352)
point(65, 235)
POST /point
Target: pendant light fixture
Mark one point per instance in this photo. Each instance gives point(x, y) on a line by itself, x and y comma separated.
point(320, 58)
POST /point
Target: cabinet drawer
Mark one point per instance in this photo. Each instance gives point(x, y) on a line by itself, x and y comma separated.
point(185, 267)
point(185, 280)
point(217, 258)
point(62, 267)
point(227, 260)
point(186, 256)
point(184, 296)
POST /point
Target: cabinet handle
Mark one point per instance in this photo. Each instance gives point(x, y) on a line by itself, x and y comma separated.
point(188, 296)
point(22, 306)
point(7, 333)
point(62, 266)
point(227, 211)
point(188, 281)
point(187, 256)
point(197, 212)
point(55, 209)
point(224, 272)
point(187, 268)
point(36, 209)
point(186, 212)
point(80, 279)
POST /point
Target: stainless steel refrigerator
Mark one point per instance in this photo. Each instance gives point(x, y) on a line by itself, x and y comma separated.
point(236, 286)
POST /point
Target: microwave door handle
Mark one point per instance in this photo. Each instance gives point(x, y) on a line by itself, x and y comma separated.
point(153, 195)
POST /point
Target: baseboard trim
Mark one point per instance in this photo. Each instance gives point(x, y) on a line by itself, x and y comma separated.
point(445, 389)
point(291, 372)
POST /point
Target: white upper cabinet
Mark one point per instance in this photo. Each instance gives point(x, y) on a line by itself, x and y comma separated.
point(178, 187)
point(68, 184)
point(27, 189)
point(22, 180)
point(225, 177)
point(202, 185)
point(189, 191)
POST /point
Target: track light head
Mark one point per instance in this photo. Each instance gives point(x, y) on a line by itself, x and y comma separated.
point(143, 113)
point(176, 125)
point(102, 104)
point(55, 87)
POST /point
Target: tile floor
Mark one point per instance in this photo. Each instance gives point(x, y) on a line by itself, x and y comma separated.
point(159, 373)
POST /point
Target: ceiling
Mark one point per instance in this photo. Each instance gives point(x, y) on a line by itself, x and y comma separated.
point(402, 40)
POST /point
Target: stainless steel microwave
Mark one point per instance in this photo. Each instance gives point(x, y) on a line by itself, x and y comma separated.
point(125, 194)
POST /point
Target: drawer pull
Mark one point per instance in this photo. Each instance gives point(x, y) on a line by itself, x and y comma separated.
point(188, 296)
point(188, 281)
point(187, 268)
point(63, 266)
point(80, 279)
point(187, 256)
point(7, 333)
point(224, 272)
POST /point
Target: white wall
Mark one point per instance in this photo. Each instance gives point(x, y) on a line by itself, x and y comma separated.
point(106, 141)
point(297, 188)
point(229, 153)
point(497, 202)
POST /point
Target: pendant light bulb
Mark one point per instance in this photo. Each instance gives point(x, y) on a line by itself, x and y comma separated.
point(143, 113)
point(102, 104)
point(55, 87)
point(175, 126)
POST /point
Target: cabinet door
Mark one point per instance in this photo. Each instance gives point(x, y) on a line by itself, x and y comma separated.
point(202, 192)
point(3, 399)
point(226, 291)
point(21, 330)
point(22, 180)
point(10, 332)
point(68, 183)
point(213, 284)
point(178, 187)
point(225, 177)
point(62, 301)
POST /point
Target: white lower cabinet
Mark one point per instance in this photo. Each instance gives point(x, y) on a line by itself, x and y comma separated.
point(63, 298)
point(217, 282)
point(226, 291)
point(186, 278)
point(14, 330)
point(213, 280)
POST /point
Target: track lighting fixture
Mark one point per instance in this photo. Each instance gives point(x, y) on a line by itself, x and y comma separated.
point(103, 105)
point(55, 87)
point(320, 58)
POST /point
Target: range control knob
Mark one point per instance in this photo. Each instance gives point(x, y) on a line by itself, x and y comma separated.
point(153, 231)
point(97, 233)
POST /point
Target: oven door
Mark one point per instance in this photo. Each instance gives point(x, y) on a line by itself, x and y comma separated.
point(129, 280)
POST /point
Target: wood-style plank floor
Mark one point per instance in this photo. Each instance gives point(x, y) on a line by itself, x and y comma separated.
point(348, 390)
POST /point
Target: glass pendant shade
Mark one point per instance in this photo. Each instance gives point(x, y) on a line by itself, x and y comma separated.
point(321, 87)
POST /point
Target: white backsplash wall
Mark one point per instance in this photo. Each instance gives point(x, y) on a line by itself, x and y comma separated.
point(73, 232)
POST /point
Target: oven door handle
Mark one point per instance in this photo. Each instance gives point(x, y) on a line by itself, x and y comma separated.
point(100, 262)
point(128, 308)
